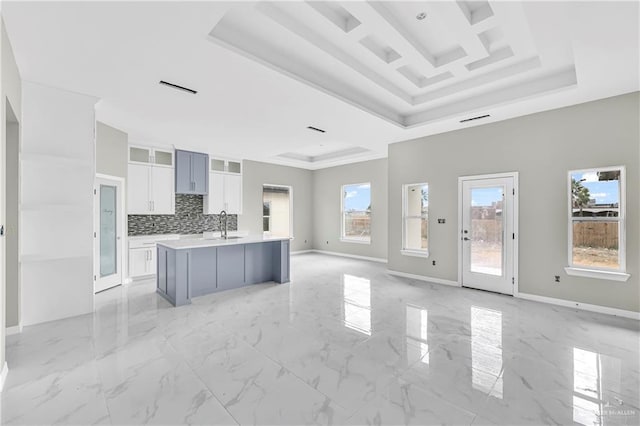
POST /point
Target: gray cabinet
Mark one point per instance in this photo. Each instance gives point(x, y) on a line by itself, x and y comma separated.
point(192, 172)
point(202, 271)
point(230, 271)
point(192, 272)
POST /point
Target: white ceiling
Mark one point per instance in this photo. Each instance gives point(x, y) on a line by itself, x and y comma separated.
point(369, 73)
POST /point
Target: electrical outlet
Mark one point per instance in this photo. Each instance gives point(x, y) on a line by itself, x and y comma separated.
point(557, 277)
point(433, 262)
point(441, 221)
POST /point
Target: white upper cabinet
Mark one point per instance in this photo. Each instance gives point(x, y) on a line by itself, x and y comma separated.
point(215, 199)
point(162, 190)
point(233, 193)
point(138, 189)
point(225, 187)
point(150, 181)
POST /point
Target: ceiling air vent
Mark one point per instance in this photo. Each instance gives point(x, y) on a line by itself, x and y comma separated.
point(475, 118)
point(315, 129)
point(177, 87)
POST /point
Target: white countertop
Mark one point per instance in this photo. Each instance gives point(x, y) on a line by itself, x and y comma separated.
point(206, 242)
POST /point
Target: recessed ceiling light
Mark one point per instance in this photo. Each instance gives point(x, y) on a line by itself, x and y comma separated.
point(420, 16)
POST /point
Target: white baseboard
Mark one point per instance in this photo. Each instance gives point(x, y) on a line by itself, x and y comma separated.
point(423, 278)
point(294, 253)
point(352, 256)
point(14, 330)
point(580, 305)
point(3, 375)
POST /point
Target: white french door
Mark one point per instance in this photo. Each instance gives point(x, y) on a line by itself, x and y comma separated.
point(108, 233)
point(488, 232)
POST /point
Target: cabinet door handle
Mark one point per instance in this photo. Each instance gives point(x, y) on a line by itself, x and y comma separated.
point(153, 206)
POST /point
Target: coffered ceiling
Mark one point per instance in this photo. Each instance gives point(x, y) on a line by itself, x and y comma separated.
point(409, 63)
point(368, 73)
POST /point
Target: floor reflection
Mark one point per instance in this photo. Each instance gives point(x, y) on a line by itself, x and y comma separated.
point(486, 350)
point(596, 381)
point(357, 303)
point(417, 345)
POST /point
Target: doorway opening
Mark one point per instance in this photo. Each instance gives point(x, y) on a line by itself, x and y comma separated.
point(277, 210)
point(12, 220)
point(488, 230)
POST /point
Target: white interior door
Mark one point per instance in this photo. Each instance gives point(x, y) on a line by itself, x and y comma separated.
point(109, 230)
point(488, 233)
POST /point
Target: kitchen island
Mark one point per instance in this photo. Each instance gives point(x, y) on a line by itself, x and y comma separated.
point(194, 267)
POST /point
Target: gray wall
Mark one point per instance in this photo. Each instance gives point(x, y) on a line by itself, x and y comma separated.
point(256, 174)
point(542, 147)
point(111, 150)
point(11, 91)
point(327, 194)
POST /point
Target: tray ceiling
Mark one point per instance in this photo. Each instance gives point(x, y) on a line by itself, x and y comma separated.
point(409, 63)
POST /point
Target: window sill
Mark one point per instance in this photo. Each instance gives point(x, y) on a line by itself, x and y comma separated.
point(596, 273)
point(354, 240)
point(414, 253)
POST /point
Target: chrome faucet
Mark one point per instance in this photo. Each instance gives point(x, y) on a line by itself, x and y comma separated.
point(223, 218)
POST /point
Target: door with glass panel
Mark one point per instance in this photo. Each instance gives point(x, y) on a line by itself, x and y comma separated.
point(108, 229)
point(487, 235)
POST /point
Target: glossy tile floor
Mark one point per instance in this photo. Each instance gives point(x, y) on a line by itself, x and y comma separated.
point(344, 343)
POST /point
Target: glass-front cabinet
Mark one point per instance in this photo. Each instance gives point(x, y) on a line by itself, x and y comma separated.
point(150, 181)
point(150, 155)
point(225, 186)
point(226, 166)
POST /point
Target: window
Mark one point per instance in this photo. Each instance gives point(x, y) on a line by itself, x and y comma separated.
point(277, 211)
point(415, 219)
point(356, 213)
point(596, 223)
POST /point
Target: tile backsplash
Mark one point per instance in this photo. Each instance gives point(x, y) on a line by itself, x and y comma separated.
point(188, 219)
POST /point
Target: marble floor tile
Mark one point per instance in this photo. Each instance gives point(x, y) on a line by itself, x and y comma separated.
point(73, 396)
point(406, 404)
point(343, 343)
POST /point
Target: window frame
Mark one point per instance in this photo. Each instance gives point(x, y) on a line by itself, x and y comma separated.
point(266, 216)
point(615, 274)
point(344, 238)
point(290, 188)
point(404, 250)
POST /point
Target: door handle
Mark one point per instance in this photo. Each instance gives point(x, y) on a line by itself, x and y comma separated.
point(466, 239)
